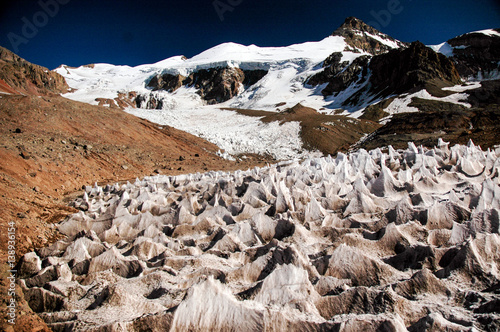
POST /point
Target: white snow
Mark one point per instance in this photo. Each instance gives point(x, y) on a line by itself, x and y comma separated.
point(105, 80)
point(488, 32)
point(443, 48)
point(401, 104)
point(235, 133)
point(388, 42)
point(463, 87)
point(288, 69)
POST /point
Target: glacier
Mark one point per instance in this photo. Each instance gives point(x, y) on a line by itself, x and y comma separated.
point(394, 239)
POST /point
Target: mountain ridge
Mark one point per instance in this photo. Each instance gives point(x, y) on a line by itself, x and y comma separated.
point(361, 36)
point(347, 73)
point(24, 77)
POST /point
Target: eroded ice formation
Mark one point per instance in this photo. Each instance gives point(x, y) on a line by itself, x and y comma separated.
point(384, 239)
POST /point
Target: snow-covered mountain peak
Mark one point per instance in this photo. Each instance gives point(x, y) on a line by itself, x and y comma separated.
point(364, 38)
point(353, 23)
point(252, 56)
point(107, 81)
point(283, 71)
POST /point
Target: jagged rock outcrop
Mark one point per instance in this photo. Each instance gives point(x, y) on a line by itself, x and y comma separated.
point(361, 37)
point(455, 123)
point(167, 82)
point(397, 71)
point(405, 70)
point(356, 72)
point(333, 65)
point(370, 240)
point(476, 54)
point(215, 85)
point(151, 101)
point(27, 78)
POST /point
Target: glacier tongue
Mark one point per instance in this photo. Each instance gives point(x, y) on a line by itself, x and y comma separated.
point(364, 241)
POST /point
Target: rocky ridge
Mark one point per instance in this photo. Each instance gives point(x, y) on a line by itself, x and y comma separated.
point(395, 72)
point(476, 55)
point(411, 69)
point(214, 85)
point(23, 77)
point(361, 37)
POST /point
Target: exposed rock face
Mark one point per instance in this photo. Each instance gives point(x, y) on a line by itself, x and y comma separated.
point(476, 55)
point(400, 71)
point(215, 85)
point(455, 123)
point(27, 78)
point(360, 36)
point(167, 82)
point(396, 72)
point(356, 72)
point(402, 240)
point(151, 101)
point(333, 65)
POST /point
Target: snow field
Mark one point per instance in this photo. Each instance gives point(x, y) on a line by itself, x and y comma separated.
point(363, 239)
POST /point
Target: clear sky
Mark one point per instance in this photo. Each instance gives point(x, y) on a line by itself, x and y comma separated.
point(78, 32)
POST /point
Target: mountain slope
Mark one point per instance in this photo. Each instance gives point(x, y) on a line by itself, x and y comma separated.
point(333, 242)
point(476, 54)
point(22, 77)
point(51, 146)
point(287, 68)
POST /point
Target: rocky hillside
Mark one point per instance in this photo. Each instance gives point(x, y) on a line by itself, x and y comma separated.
point(410, 90)
point(52, 146)
point(411, 69)
point(477, 54)
point(319, 132)
point(361, 37)
point(23, 77)
point(395, 72)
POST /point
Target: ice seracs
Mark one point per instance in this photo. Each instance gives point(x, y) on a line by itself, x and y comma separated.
point(395, 239)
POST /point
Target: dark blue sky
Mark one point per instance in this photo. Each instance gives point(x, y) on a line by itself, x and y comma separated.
point(77, 32)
